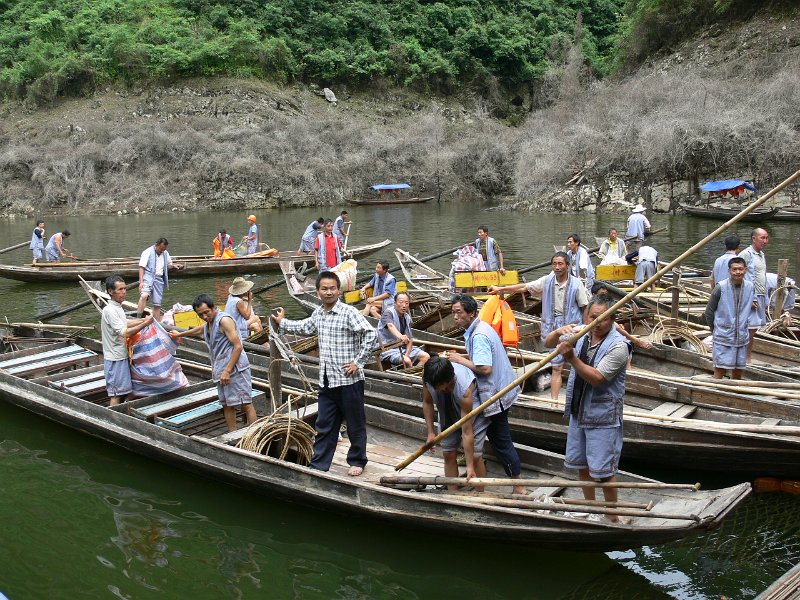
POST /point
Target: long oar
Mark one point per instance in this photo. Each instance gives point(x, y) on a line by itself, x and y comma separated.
point(366, 278)
point(10, 248)
point(533, 482)
point(622, 302)
point(73, 307)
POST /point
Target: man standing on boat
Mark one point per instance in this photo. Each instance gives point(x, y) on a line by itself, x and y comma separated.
point(230, 367)
point(595, 395)
point(346, 340)
point(252, 236)
point(115, 329)
point(487, 358)
point(309, 236)
point(756, 262)
point(240, 307)
point(339, 226)
point(154, 265)
point(450, 390)
point(580, 264)
point(638, 225)
point(395, 325)
point(55, 246)
point(728, 314)
point(328, 248)
point(613, 247)
point(384, 287)
point(720, 270)
point(490, 250)
point(563, 299)
point(37, 241)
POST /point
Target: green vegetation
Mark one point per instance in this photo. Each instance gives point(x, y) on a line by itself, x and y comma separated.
point(66, 47)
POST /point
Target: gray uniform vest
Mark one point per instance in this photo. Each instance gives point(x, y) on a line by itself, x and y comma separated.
point(502, 372)
point(220, 347)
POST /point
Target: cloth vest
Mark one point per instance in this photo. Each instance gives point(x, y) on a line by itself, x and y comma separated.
point(720, 270)
point(491, 256)
point(572, 312)
point(220, 347)
point(384, 334)
point(51, 244)
point(502, 371)
point(574, 266)
point(150, 269)
point(252, 245)
point(756, 268)
point(379, 287)
point(618, 252)
point(225, 242)
point(338, 226)
point(636, 226)
point(323, 262)
point(732, 317)
point(36, 242)
point(310, 232)
point(602, 405)
point(233, 312)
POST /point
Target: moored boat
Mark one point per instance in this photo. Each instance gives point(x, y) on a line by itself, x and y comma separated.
point(759, 215)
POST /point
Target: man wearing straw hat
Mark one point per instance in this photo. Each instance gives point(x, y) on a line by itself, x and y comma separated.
point(595, 395)
point(252, 235)
point(240, 307)
point(638, 225)
point(728, 314)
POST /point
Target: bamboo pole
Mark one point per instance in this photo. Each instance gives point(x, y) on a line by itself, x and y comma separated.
point(52, 326)
point(558, 500)
point(366, 278)
point(534, 482)
point(747, 382)
point(588, 328)
point(14, 247)
point(347, 237)
point(722, 386)
point(60, 312)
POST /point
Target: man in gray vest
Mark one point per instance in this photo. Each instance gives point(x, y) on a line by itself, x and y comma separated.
point(395, 325)
point(728, 313)
point(595, 394)
point(230, 367)
point(487, 358)
point(154, 264)
point(490, 250)
point(756, 262)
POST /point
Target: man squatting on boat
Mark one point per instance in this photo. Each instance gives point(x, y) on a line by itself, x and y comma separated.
point(595, 396)
point(230, 367)
point(115, 328)
point(395, 325)
point(346, 341)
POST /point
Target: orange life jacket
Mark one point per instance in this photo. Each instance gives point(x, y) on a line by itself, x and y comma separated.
point(497, 313)
point(217, 253)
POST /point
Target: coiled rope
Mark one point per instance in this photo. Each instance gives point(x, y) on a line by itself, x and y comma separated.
point(667, 328)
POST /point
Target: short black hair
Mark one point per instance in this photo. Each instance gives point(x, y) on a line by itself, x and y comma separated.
point(602, 300)
point(406, 294)
point(468, 303)
point(610, 229)
point(560, 255)
point(328, 275)
point(483, 228)
point(66, 233)
point(163, 240)
point(321, 220)
point(112, 281)
point(344, 212)
point(39, 222)
point(575, 237)
point(438, 370)
point(202, 299)
point(732, 242)
point(222, 230)
point(736, 260)
point(384, 264)
point(597, 286)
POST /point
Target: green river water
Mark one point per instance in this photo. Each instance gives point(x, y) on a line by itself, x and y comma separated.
point(84, 519)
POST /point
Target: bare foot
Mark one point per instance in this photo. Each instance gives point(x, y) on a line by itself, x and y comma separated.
point(355, 471)
point(620, 520)
point(518, 489)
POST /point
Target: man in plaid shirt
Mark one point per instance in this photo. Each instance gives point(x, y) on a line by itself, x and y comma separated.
point(346, 341)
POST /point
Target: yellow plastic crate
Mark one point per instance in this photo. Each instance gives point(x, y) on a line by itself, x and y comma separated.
point(474, 279)
point(187, 320)
point(614, 272)
point(354, 297)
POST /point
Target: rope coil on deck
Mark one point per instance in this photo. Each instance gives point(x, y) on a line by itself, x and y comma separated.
point(669, 329)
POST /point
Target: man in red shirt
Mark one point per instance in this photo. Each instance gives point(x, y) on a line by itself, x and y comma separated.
point(327, 248)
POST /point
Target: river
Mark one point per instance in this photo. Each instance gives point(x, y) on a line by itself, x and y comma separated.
point(82, 518)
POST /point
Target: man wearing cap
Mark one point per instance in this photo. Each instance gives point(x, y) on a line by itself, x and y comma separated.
point(153, 277)
point(638, 224)
point(252, 235)
point(240, 307)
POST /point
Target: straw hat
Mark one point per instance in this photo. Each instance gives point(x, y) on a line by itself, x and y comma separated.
point(251, 218)
point(639, 208)
point(240, 286)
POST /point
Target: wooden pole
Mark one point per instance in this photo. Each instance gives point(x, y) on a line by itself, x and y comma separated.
point(51, 326)
point(558, 500)
point(14, 247)
point(347, 236)
point(588, 328)
point(59, 312)
point(366, 278)
point(534, 482)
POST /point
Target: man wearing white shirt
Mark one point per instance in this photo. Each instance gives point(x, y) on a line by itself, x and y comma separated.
point(154, 265)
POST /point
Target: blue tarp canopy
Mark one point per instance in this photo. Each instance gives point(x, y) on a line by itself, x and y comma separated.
point(379, 187)
point(727, 184)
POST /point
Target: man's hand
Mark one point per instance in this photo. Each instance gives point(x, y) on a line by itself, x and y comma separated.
point(225, 376)
point(174, 334)
point(278, 315)
point(141, 283)
point(429, 441)
point(407, 362)
point(566, 350)
point(148, 319)
point(457, 358)
point(494, 289)
point(502, 270)
point(470, 471)
point(404, 338)
point(350, 369)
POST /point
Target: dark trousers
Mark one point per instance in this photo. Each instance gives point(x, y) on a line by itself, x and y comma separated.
point(344, 402)
point(499, 435)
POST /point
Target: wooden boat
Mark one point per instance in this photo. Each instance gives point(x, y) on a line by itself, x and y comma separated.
point(390, 194)
point(786, 587)
point(787, 214)
point(204, 447)
point(204, 266)
point(723, 214)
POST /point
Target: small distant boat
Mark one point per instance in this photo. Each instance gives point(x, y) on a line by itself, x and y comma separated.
point(390, 193)
point(728, 213)
point(787, 214)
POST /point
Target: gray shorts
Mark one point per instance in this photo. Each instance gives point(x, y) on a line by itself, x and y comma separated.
point(306, 245)
point(237, 392)
point(395, 355)
point(37, 253)
point(758, 318)
point(728, 357)
point(118, 377)
point(52, 255)
point(644, 270)
point(480, 426)
point(593, 448)
point(154, 291)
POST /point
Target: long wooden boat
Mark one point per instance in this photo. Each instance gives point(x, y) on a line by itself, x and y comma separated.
point(723, 214)
point(191, 266)
point(390, 201)
point(786, 587)
point(787, 214)
point(148, 427)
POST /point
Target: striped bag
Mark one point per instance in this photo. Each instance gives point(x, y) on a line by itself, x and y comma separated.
point(154, 369)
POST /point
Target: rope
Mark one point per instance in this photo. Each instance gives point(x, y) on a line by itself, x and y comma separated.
point(282, 429)
point(667, 328)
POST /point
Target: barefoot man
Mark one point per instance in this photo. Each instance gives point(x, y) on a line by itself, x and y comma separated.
point(346, 340)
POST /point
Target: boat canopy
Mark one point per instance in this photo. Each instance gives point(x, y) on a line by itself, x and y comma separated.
point(727, 185)
point(380, 187)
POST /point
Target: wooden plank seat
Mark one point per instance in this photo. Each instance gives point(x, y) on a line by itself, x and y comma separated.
point(674, 409)
point(174, 405)
point(36, 356)
point(83, 385)
point(62, 360)
point(770, 422)
point(195, 416)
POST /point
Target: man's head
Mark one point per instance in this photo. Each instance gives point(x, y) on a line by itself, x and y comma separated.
point(115, 286)
point(161, 245)
point(344, 214)
point(483, 232)
point(559, 263)
point(65, 233)
point(612, 234)
point(438, 373)
point(382, 268)
point(222, 231)
point(328, 226)
point(401, 302)
point(40, 224)
point(328, 285)
point(737, 267)
point(759, 238)
point(203, 305)
point(732, 242)
point(465, 310)
point(597, 306)
point(574, 242)
point(321, 220)
point(599, 289)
